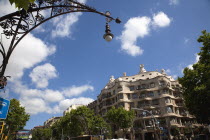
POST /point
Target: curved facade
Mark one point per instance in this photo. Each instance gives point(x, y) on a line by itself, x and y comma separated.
point(159, 95)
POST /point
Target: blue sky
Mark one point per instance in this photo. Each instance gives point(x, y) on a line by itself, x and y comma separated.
point(66, 60)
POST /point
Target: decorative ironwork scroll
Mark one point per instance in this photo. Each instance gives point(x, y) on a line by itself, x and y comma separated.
point(18, 24)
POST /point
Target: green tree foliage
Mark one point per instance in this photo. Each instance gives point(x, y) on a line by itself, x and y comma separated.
point(16, 118)
point(21, 3)
point(120, 118)
point(42, 133)
point(196, 83)
point(80, 121)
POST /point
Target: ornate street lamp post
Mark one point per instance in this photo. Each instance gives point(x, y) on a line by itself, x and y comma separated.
point(18, 24)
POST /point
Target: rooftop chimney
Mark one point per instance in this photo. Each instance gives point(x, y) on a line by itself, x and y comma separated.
point(163, 72)
point(142, 70)
point(124, 73)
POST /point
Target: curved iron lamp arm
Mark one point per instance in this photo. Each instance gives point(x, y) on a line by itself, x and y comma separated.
point(18, 24)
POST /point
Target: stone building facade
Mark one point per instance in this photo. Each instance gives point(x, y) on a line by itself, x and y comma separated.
point(74, 106)
point(155, 97)
point(48, 123)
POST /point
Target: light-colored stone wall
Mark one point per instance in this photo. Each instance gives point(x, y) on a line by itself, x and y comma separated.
point(152, 91)
point(68, 110)
point(51, 121)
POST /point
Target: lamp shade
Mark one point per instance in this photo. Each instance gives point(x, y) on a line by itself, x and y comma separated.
point(108, 37)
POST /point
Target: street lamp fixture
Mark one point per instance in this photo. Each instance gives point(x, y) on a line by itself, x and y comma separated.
point(108, 36)
point(18, 24)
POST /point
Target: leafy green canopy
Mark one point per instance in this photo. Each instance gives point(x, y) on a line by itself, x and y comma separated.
point(120, 118)
point(42, 133)
point(196, 82)
point(21, 3)
point(16, 118)
point(81, 121)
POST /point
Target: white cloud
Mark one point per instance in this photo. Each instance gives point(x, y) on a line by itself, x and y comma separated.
point(41, 74)
point(173, 2)
point(29, 52)
point(82, 1)
point(48, 100)
point(32, 51)
point(34, 105)
point(64, 104)
point(135, 27)
point(161, 20)
point(75, 91)
point(63, 24)
point(5, 94)
point(196, 60)
point(174, 76)
point(53, 96)
point(139, 27)
point(23, 90)
point(6, 8)
point(186, 40)
point(168, 71)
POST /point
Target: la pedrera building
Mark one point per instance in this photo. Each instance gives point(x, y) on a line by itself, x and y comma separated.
point(155, 97)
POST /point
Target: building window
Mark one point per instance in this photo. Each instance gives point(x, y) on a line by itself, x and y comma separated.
point(132, 105)
point(150, 94)
point(148, 123)
point(128, 96)
point(119, 88)
point(140, 104)
point(169, 109)
point(142, 95)
point(132, 88)
point(165, 91)
point(103, 96)
point(113, 100)
point(158, 92)
point(121, 104)
point(161, 83)
point(139, 87)
point(168, 84)
point(134, 96)
point(152, 85)
point(108, 102)
point(170, 92)
point(109, 94)
point(143, 86)
point(114, 92)
point(156, 112)
point(120, 96)
point(162, 121)
point(143, 103)
point(167, 100)
point(155, 102)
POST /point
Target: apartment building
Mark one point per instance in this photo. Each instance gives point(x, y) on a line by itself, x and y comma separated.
point(156, 97)
point(74, 106)
point(48, 123)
